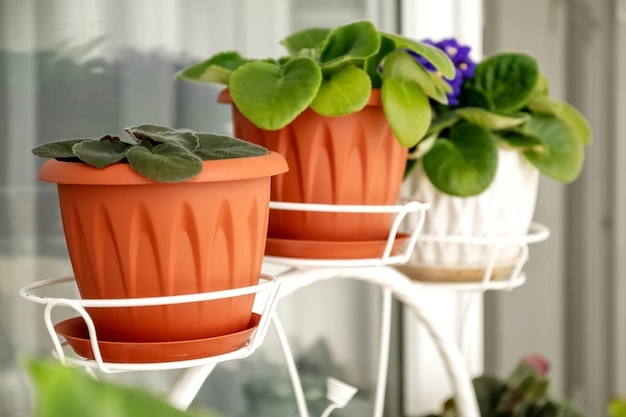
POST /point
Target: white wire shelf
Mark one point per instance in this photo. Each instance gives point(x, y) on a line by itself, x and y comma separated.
point(265, 303)
point(395, 249)
point(508, 275)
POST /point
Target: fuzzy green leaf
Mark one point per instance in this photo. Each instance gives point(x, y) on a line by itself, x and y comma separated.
point(407, 109)
point(181, 137)
point(100, 153)
point(216, 69)
point(61, 149)
point(509, 79)
point(490, 120)
point(165, 162)
point(465, 164)
point(570, 115)
point(272, 96)
point(345, 92)
point(562, 158)
point(305, 39)
point(224, 147)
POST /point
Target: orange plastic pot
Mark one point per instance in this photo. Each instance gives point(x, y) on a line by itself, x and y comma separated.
point(130, 237)
point(352, 159)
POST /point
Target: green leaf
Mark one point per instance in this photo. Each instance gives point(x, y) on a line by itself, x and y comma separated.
point(345, 92)
point(562, 158)
point(407, 109)
point(465, 164)
point(490, 120)
point(617, 407)
point(357, 40)
point(576, 121)
point(442, 121)
point(432, 54)
point(488, 393)
point(70, 392)
point(509, 79)
point(518, 139)
point(216, 69)
point(100, 153)
point(181, 137)
point(474, 97)
point(165, 162)
point(401, 66)
point(272, 96)
point(567, 113)
point(61, 149)
point(373, 64)
point(214, 147)
point(305, 39)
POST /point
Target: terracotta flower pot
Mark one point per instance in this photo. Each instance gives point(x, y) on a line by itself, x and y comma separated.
point(505, 209)
point(131, 237)
point(353, 159)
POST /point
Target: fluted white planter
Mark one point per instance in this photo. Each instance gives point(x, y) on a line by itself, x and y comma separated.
point(505, 209)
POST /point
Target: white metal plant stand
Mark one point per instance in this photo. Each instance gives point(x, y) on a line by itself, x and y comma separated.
point(299, 273)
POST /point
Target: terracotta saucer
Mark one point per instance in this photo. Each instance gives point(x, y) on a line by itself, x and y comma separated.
point(319, 249)
point(75, 332)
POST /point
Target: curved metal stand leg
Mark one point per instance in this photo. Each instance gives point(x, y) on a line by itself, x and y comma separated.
point(188, 385)
point(291, 368)
point(383, 355)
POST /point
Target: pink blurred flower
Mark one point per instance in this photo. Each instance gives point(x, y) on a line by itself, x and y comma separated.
point(538, 362)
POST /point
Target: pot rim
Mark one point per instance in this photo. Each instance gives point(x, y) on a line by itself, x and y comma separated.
point(374, 99)
point(80, 173)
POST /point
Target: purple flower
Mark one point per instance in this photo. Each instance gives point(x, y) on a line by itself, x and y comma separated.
point(459, 55)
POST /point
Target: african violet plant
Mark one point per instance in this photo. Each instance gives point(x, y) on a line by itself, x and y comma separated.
point(333, 71)
point(503, 101)
point(525, 393)
point(159, 153)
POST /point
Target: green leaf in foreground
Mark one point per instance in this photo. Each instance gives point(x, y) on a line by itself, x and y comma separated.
point(345, 92)
point(401, 66)
point(272, 96)
point(60, 149)
point(356, 40)
point(432, 54)
point(165, 162)
point(100, 153)
point(69, 392)
point(465, 164)
point(407, 109)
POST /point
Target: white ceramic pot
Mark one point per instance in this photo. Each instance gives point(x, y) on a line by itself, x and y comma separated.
point(451, 246)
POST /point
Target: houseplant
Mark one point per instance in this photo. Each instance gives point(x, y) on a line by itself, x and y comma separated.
point(163, 212)
point(524, 393)
point(342, 106)
point(479, 163)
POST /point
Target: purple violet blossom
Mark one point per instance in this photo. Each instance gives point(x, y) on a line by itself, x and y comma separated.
point(459, 55)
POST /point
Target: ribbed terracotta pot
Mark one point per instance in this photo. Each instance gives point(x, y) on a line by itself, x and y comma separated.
point(505, 209)
point(353, 159)
point(131, 237)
